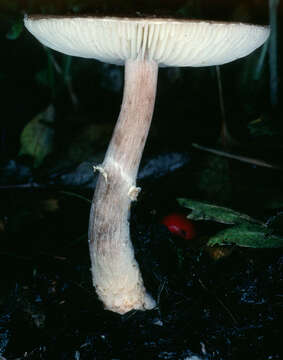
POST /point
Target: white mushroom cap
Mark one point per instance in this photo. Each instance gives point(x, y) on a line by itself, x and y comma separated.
point(169, 42)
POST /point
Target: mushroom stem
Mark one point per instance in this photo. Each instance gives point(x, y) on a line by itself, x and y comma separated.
point(115, 272)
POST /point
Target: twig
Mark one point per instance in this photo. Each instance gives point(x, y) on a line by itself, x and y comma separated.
point(67, 79)
point(23, 186)
point(76, 195)
point(220, 94)
point(76, 241)
point(55, 257)
point(226, 138)
point(245, 159)
point(31, 258)
point(20, 257)
point(160, 290)
point(224, 129)
point(220, 302)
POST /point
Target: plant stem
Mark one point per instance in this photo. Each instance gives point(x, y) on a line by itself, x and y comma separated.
point(273, 61)
point(252, 161)
point(115, 272)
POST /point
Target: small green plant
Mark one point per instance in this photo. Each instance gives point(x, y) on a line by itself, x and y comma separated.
point(243, 231)
point(15, 30)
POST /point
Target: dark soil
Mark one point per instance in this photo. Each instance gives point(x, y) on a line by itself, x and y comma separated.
point(206, 309)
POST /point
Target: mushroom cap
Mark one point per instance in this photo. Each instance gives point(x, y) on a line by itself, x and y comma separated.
point(169, 42)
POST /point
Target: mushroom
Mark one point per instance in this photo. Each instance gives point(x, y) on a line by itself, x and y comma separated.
point(141, 44)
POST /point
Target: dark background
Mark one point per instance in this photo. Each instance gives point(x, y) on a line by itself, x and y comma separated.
point(48, 306)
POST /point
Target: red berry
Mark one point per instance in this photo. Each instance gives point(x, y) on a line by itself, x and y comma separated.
point(179, 225)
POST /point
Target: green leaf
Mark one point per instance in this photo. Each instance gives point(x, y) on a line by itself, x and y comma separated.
point(223, 215)
point(247, 235)
point(15, 31)
point(245, 231)
point(38, 135)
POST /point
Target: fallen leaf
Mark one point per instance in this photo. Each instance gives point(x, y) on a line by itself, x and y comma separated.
point(245, 231)
point(38, 136)
point(220, 214)
point(247, 235)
